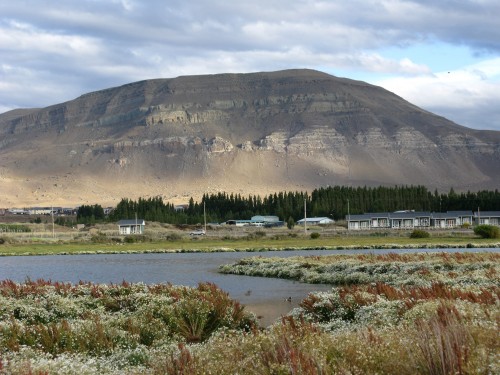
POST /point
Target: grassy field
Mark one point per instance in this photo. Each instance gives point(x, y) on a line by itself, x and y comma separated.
point(444, 321)
point(249, 242)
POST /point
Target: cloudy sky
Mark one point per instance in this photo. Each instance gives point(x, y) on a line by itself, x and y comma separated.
point(443, 55)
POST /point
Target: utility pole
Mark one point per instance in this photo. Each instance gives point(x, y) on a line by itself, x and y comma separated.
point(52, 213)
point(205, 217)
point(305, 217)
point(348, 215)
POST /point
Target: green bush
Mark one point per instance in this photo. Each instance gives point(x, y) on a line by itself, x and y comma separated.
point(130, 239)
point(487, 231)
point(418, 233)
point(260, 233)
point(315, 235)
point(174, 237)
point(100, 238)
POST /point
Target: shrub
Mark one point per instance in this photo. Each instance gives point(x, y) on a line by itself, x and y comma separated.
point(379, 234)
point(290, 223)
point(418, 233)
point(487, 231)
point(2, 240)
point(315, 235)
point(129, 239)
point(99, 238)
point(135, 238)
point(174, 237)
point(255, 235)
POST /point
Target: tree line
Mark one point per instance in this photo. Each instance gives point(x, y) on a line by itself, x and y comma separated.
point(333, 202)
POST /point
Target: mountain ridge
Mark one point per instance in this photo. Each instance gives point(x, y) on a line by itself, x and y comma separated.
point(248, 133)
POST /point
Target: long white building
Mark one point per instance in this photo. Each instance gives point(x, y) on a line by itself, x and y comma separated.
point(421, 220)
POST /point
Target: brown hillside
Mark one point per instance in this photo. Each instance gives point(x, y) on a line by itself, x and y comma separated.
point(245, 133)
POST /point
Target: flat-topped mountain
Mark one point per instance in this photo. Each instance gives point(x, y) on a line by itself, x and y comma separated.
point(252, 133)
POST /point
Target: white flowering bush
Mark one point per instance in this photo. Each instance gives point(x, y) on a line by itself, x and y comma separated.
point(419, 269)
point(96, 328)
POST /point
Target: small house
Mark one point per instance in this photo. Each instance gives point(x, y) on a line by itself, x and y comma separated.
point(133, 226)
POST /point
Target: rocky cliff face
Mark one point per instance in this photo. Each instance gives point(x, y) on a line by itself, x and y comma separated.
point(245, 133)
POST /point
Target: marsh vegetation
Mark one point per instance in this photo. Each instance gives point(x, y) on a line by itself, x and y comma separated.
point(434, 314)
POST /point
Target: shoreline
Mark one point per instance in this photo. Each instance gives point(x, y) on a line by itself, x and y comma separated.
point(388, 246)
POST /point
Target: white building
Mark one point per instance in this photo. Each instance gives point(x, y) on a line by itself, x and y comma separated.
point(132, 226)
point(316, 221)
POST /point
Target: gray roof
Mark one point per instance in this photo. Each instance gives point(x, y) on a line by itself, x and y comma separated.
point(443, 215)
point(132, 222)
point(487, 214)
point(460, 213)
point(408, 215)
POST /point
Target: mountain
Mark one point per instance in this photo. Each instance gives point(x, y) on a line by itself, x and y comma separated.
point(255, 133)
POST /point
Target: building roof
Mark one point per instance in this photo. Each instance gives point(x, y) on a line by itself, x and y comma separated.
point(131, 222)
point(409, 214)
point(487, 214)
point(265, 218)
point(316, 219)
point(461, 213)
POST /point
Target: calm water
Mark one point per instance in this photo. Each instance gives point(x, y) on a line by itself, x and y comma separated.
point(265, 297)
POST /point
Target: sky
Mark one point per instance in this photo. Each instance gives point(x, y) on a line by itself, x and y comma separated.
point(442, 55)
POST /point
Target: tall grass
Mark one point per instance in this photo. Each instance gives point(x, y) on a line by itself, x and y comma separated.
point(444, 344)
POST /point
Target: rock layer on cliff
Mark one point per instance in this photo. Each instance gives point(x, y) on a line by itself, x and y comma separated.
point(244, 133)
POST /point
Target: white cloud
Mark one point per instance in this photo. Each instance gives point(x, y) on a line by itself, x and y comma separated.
point(469, 96)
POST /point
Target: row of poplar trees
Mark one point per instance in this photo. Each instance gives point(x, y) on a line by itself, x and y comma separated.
point(333, 202)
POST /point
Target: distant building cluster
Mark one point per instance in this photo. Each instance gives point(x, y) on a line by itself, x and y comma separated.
point(41, 211)
point(421, 220)
point(56, 211)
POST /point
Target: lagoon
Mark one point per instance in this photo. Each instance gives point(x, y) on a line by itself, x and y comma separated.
point(266, 297)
